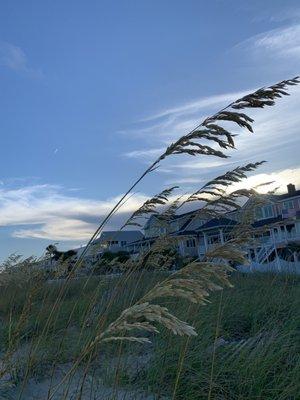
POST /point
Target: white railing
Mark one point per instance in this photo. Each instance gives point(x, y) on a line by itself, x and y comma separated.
point(277, 266)
point(265, 252)
point(265, 243)
point(286, 236)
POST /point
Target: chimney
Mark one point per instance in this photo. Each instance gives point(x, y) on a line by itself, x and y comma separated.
point(291, 189)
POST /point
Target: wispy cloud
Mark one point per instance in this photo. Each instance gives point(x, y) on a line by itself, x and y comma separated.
point(167, 123)
point(280, 43)
point(145, 154)
point(196, 105)
point(184, 181)
point(280, 179)
point(14, 58)
point(275, 139)
point(49, 212)
point(164, 127)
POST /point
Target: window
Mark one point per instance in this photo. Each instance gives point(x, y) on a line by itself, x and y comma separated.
point(290, 228)
point(191, 243)
point(113, 242)
point(123, 242)
point(264, 212)
point(213, 239)
point(268, 211)
point(288, 205)
point(259, 213)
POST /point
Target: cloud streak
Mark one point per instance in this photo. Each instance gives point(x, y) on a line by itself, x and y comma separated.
point(49, 213)
point(280, 43)
point(145, 154)
point(276, 134)
point(276, 129)
point(196, 105)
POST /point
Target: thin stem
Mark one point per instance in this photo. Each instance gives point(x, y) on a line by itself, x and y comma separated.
point(114, 209)
point(215, 348)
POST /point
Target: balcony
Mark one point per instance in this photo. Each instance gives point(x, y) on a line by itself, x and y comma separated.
point(281, 237)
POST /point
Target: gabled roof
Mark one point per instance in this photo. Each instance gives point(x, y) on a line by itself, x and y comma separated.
point(279, 197)
point(128, 236)
point(187, 222)
point(273, 198)
point(185, 214)
point(174, 218)
point(217, 222)
point(186, 233)
point(143, 240)
point(149, 220)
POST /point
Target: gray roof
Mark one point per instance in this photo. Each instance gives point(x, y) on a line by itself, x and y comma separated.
point(189, 214)
point(285, 196)
point(216, 223)
point(128, 236)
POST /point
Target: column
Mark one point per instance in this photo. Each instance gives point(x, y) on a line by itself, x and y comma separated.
point(221, 236)
point(276, 253)
point(205, 241)
point(198, 246)
point(181, 247)
point(285, 233)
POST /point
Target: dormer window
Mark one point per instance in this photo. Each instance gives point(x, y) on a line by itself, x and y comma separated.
point(268, 211)
point(264, 212)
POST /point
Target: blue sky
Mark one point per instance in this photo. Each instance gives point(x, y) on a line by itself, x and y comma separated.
point(92, 91)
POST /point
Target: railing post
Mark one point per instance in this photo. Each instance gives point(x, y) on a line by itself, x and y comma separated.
point(255, 254)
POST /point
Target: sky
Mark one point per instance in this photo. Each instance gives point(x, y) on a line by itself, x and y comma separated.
point(93, 91)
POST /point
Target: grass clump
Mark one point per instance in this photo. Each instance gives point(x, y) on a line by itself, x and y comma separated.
point(248, 345)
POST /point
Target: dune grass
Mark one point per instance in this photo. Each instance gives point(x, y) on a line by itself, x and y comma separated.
point(32, 343)
point(248, 343)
